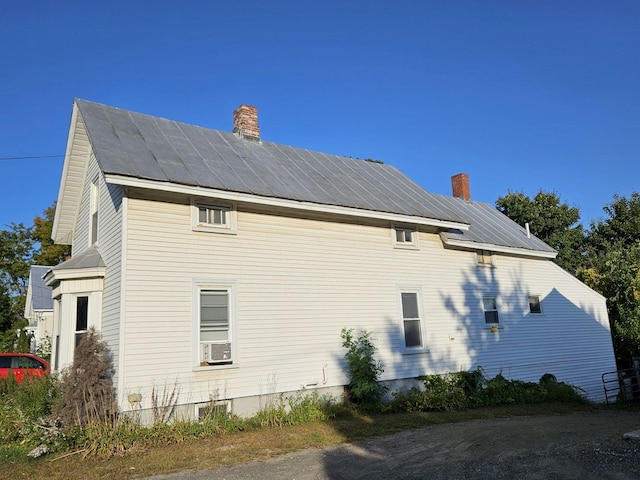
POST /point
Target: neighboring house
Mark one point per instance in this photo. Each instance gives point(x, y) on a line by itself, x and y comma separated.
point(38, 308)
point(226, 266)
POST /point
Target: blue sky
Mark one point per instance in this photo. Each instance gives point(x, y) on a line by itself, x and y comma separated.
point(521, 95)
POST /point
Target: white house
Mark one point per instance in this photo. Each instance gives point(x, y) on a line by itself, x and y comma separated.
point(226, 266)
point(38, 308)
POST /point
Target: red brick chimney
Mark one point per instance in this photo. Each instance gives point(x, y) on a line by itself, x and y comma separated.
point(245, 122)
point(460, 186)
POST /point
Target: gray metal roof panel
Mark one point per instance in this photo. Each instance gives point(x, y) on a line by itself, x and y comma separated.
point(132, 144)
point(40, 292)
point(90, 258)
point(492, 227)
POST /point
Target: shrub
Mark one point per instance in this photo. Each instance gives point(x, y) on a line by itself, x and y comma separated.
point(364, 371)
point(459, 390)
point(87, 387)
point(560, 391)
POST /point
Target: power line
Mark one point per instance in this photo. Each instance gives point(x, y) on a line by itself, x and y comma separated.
point(31, 157)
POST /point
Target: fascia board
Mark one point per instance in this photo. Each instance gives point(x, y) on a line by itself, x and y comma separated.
point(74, 273)
point(280, 202)
point(497, 248)
point(61, 204)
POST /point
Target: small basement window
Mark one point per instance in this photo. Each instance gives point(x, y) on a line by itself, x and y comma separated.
point(213, 410)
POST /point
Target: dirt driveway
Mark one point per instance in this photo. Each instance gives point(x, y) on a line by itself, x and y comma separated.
point(584, 445)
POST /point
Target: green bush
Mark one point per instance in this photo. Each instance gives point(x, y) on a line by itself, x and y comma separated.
point(460, 390)
point(25, 408)
point(364, 371)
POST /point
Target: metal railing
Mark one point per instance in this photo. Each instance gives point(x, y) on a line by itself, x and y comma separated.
point(621, 385)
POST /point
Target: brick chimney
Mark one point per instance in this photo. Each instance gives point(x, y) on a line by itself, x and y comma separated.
point(245, 123)
point(460, 186)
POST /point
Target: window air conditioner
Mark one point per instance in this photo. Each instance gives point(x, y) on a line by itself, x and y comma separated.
point(217, 352)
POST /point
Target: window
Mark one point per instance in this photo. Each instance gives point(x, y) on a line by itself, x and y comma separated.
point(411, 320)
point(535, 305)
point(213, 218)
point(405, 237)
point(490, 307)
point(214, 326)
point(485, 257)
point(82, 317)
point(94, 212)
point(211, 410)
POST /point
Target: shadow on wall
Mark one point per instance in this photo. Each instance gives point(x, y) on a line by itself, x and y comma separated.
point(568, 340)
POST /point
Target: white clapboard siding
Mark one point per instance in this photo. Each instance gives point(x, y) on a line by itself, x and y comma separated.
point(110, 248)
point(301, 280)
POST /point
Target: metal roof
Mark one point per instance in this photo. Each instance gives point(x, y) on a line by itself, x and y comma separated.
point(152, 148)
point(491, 227)
point(89, 258)
point(40, 292)
point(145, 147)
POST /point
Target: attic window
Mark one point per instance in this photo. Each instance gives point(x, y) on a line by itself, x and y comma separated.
point(213, 216)
point(485, 258)
point(219, 218)
point(405, 237)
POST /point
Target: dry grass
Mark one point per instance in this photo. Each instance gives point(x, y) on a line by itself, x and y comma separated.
point(248, 446)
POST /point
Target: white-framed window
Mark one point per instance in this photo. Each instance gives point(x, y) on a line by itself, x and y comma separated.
point(490, 308)
point(411, 314)
point(82, 318)
point(214, 324)
point(535, 304)
point(485, 258)
point(213, 217)
point(93, 220)
point(405, 237)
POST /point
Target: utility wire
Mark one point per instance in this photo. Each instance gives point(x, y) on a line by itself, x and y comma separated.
point(32, 157)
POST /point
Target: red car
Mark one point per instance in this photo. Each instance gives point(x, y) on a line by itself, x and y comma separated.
point(22, 364)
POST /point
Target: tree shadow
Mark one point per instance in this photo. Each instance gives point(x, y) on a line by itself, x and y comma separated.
point(569, 338)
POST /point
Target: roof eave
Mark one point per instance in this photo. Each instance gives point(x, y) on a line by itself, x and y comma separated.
point(73, 171)
point(497, 248)
point(127, 181)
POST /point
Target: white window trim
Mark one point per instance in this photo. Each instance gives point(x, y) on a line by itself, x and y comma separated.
point(421, 348)
point(492, 255)
point(230, 227)
point(94, 215)
point(231, 287)
point(497, 310)
point(415, 237)
point(539, 297)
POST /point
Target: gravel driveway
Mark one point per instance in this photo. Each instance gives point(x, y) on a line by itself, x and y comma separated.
point(584, 445)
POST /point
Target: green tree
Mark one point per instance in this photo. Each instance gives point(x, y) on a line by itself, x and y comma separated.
point(21, 247)
point(612, 267)
point(550, 220)
point(48, 252)
point(16, 256)
point(6, 314)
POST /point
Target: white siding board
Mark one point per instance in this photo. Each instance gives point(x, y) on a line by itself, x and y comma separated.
point(109, 246)
point(299, 281)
